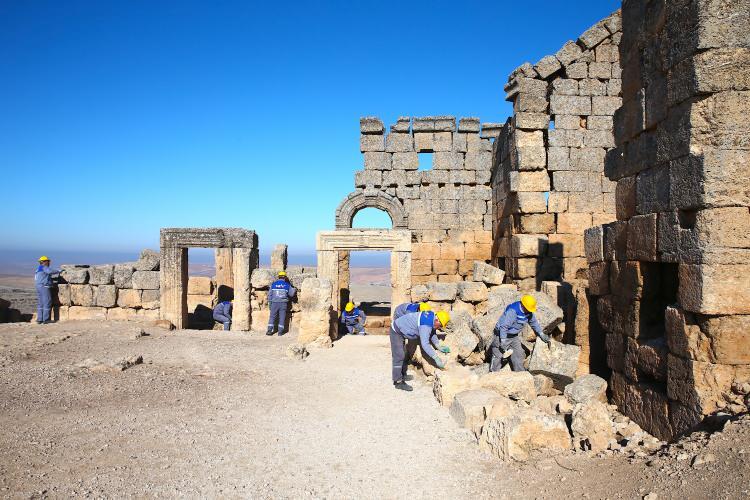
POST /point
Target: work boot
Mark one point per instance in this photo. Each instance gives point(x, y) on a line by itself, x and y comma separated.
point(402, 386)
point(281, 332)
point(269, 331)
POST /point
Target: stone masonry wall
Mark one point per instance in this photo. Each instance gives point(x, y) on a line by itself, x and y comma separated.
point(446, 207)
point(672, 274)
point(547, 179)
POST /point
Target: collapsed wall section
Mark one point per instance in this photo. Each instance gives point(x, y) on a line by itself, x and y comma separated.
point(547, 175)
point(446, 207)
point(672, 274)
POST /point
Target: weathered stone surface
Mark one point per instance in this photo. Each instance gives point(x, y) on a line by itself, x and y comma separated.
point(123, 275)
point(129, 298)
point(459, 335)
point(523, 434)
point(594, 35)
point(105, 296)
point(101, 275)
point(146, 280)
point(568, 53)
point(122, 314)
point(79, 312)
point(470, 408)
point(513, 385)
point(148, 261)
point(371, 142)
point(714, 289)
point(75, 275)
point(297, 351)
point(558, 361)
point(261, 279)
point(399, 143)
point(316, 309)
point(570, 105)
point(200, 285)
point(587, 388)
point(149, 299)
point(63, 295)
point(527, 181)
point(593, 241)
point(449, 382)
point(591, 426)
point(544, 385)
point(371, 125)
point(444, 292)
point(547, 66)
point(488, 274)
point(472, 291)
point(82, 295)
point(279, 253)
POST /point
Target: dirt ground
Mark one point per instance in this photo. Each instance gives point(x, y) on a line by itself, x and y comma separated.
point(227, 414)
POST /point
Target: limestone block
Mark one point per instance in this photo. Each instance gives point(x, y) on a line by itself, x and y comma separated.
point(405, 161)
point(452, 250)
point(146, 280)
point(587, 388)
point(460, 338)
point(527, 181)
point(200, 285)
point(531, 121)
point(82, 295)
point(462, 176)
point(614, 85)
point(641, 243)
point(564, 86)
point(377, 161)
point(129, 298)
point(371, 125)
point(521, 434)
point(716, 178)
point(123, 275)
point(490, 130)
point(147, 261)
point(599, 278)
point(476, 143)
point(566, 245)
point(568, 53)
point(121, 314)
point(591, 87)
point(149, 299)
point(105, 296)
point(535, 103)
point(590, 158)
point(599, 139)
point(570, 105)
point(557, 361)
point(547, 66)
point(594, 244)
point(478, 160)
point(528, 203)
point(488, 274)
point(75, 275)
point(371, 143)
point(602, 70)
point(428, 251)
point(261, 279)
point(594, 35)
point(698, 384)
point(63, 295)
point(451, 381)
point(615, 240)
point(435, 177)
point(444, 266)
point(573, 223)
point(442, 141)
point(586, 202)
point(599, 123)
point(577, 70)
point(625, 195)
point(420, 293)
point(478, 251)
point(365, 178)
point(591, 426)
point(470, 408)
point(605, 105)
point(570, 122)
point(85, 312)
point(728, 338)
point(558, 158)
point(528, 245)
point(513, 385)
point(566, 138)
point(399, 143)
point(147, 315)
point(714, 289)
point(445, 292)
point(101, 275)
point(402, 124)
point(468, 125)
point(536, 223)
point(459, 143)
point(447, 161)
point(472, 291)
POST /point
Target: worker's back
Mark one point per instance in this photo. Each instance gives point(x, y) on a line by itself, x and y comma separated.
point(408, 324)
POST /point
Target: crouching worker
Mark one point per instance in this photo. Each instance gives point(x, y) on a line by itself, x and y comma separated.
point(353, 319)
point(223, 314)
point(506, 342)
point(410, 329)
point(43, 283)
point(279, 295)
point(410, 307)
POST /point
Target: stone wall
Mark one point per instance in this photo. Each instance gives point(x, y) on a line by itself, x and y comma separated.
point(672, 274)
point(547, 178)
point(111, 291)
point(446, 207)
point(260, 282)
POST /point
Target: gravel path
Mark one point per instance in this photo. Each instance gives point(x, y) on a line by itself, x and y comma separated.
point(226, 414)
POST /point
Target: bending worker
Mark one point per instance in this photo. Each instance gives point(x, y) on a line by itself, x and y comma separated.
point(410, 307)
point(43, 283)
point(408, 328)
point(279, 295)
point(507, 341)
point(223, 313)
point(353, 319)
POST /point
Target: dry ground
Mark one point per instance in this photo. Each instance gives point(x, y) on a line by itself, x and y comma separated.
point(227, 414)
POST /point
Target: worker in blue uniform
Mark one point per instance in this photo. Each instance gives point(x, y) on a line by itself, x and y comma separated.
point(223, 314)
point(413, 328)
point(353, 319)
point(506, 342)
point(410, 307)
point(43, 283)
point(280, 294)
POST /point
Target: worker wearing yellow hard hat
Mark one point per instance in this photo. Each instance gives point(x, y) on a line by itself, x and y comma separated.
point(280, 293)
point(410, 307)
point(410, 330)
point(353, 319)
point(44, 284)
point(506, 342)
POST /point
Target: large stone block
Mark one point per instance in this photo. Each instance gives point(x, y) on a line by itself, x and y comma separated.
point(442, 292)
point(82, 295)
point(570, 105)
point(642, 240)
point(591, 425)
point(699, 385)
point(63, 294)
point(593, 238)
point(75, 275)
point(146, 280)
point(261, 279)
point(149, 299)
point(101, 275)
point(587, 388)
point(371, 143)
point(83, 313)
point(200, 285)
point(147, 261)
point(399, 143)
point(513, 385)
point(470, 408)
point(123, 275)
point(573, 223)
point(729, 338)
point(371, 125)
point(451, 381)
point(715, 289)
point(129, 298)
point(528, 245)
point(521, 434)
point(556, 360)
point(105, 296)
point(535, 223)
point(526, 181)
point(488, 274)
point(594, 35)
point(472, 291)
point(122, 314)
point(377, 161)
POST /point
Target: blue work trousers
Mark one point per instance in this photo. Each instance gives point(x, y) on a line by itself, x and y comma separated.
point(278, 316)
point(44, 308)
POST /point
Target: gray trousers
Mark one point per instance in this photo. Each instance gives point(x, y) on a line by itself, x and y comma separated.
point(499, 346)
point(225, 320)
point(357, 328)
point(278, 315)
point(402, 350)
point(44, 307)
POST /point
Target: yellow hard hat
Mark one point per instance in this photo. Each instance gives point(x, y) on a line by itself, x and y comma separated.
point(443, 317)
point(282, 274)
point(529, 303)
point(43, 258)
point(424, 306)
point(349, 307)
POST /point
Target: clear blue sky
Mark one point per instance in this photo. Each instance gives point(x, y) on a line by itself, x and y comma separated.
point(118, 118)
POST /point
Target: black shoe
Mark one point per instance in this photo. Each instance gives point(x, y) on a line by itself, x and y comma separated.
point(281, 333)
point(269, 332)
point(403, 386)
point(408, 377)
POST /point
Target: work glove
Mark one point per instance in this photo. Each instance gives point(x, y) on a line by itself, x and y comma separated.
point(439, 362)
point(545, 339)
point(444, 349)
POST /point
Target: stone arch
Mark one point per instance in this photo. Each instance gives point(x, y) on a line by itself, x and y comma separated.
point(370, 198)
